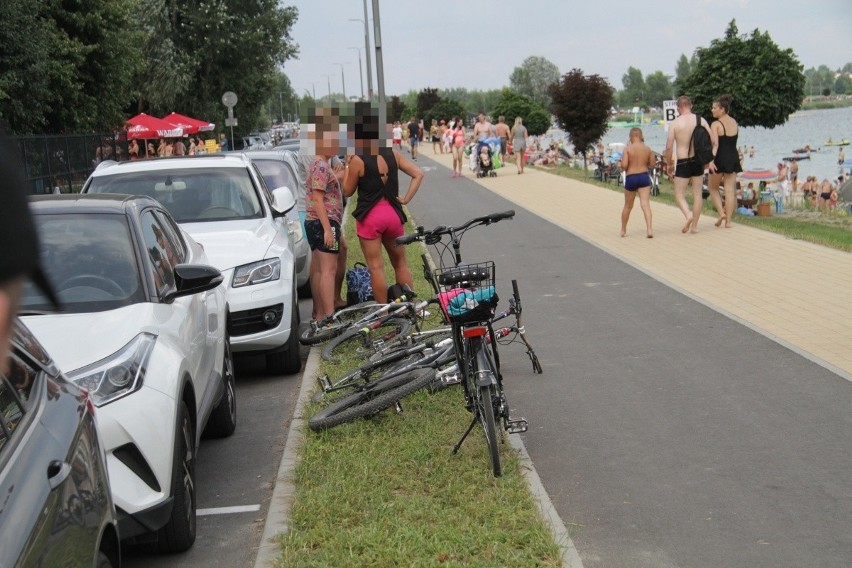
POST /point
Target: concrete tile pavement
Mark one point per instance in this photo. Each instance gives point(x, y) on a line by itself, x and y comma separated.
point(789, 290)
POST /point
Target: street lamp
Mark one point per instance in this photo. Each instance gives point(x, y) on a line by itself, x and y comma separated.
point(366, 50)
point(342, 78)
point(360, 71)
point(328, 78)
point(281, 105)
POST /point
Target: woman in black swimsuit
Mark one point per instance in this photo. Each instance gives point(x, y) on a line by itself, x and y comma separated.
point(726, 165)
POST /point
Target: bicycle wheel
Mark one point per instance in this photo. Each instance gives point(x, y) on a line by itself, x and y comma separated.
point(373, 370)
point(341, 320)
point(362, 342)
point(367, 402)
point(485, 402)
point(407, 341)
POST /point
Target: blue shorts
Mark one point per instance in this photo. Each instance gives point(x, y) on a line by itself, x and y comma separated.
point(635, 181)
point(413, 140)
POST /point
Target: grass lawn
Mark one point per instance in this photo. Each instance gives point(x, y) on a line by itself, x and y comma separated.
point(828, 228)
point(388, 492)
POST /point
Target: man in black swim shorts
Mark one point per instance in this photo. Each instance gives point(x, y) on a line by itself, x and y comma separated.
point(689, 170)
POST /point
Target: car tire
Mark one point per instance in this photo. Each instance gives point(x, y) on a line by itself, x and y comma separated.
point(103, 560)
point(178, 534)
point(223, 420)
point(305, 290)
point(288, 359)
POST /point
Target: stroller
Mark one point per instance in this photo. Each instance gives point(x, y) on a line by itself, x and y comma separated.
point(487, 157)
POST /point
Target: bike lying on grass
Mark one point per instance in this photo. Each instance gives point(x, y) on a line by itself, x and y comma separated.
point(468, 298)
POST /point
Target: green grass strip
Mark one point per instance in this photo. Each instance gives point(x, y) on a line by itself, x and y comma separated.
point(388, 492)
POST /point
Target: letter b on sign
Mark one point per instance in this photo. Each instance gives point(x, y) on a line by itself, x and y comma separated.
point(671, 114)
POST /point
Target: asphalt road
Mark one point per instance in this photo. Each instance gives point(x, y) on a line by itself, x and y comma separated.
point(665, 433)
point(238, 471)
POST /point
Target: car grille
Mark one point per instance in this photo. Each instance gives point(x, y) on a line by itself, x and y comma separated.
point(256, 320)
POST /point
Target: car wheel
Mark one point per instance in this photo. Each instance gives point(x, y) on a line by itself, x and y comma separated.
point(287, 360)
point(305, 290)
point(179, 533)
point(223, 420)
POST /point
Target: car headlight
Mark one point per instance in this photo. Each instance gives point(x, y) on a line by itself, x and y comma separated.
point(294, 228)
point(257, 272)
point(119, 374)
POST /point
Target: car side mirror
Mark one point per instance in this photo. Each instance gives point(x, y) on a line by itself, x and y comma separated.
point(194, 278)
point(283, 201)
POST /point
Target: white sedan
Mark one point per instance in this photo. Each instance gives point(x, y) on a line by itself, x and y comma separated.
point(222, 201)
point(143, 328)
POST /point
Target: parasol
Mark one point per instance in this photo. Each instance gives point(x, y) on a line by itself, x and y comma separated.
point(188, 124)
point(146, 126)
point(759, 174)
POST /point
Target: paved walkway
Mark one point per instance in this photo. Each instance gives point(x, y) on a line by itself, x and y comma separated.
point(791, 291)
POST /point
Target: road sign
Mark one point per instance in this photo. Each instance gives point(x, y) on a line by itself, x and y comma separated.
point(229, 99)
point(669, 112)
point(231, 122)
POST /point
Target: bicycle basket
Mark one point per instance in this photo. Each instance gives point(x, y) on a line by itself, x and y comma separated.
point(467, 293)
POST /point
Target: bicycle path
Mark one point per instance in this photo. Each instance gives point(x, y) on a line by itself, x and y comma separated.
point(666, 430)
point(789, 290)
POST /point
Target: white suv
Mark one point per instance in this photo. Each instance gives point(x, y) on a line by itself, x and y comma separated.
point(223, 202)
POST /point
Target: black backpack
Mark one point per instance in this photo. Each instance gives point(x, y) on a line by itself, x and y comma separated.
point(701, 143)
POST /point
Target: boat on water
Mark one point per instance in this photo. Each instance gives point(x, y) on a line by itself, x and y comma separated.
point(844, 142)
point(806, 149)
point(796, 158)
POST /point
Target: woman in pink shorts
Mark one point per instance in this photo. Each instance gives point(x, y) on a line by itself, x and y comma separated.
point(378, 213)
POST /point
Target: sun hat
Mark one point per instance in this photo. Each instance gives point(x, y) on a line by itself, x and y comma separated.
point(18, 237)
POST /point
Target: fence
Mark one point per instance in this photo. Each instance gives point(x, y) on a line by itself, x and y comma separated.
point(65, 161)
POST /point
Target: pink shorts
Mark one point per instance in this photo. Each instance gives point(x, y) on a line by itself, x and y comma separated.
point(381, 221)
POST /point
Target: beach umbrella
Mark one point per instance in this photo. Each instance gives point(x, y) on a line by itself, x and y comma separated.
point(759, 174)
point(188, 124)
point(845, 191)
point(143, 126)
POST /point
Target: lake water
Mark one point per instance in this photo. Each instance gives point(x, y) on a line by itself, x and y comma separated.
point(812, 127)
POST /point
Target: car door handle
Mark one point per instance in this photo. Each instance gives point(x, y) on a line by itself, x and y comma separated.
point(57, 472)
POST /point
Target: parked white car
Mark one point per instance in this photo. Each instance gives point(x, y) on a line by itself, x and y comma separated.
point(279, 168)
point(143, 329)
point(223, 202)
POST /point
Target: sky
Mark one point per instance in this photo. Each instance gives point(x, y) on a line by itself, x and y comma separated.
point(476, 44)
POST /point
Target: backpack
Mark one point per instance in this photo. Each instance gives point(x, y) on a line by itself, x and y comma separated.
point(701, 143)
point(359, 288)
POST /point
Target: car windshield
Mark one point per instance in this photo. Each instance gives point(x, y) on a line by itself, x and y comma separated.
point(191, 195)
point(276, 174)
point(89, 260)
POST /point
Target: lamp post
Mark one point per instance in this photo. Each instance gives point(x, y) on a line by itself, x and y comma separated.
point(328, 78)
point(366, 50)
point(360, 71)
point(380, 72)
point(342, 79)
point(281, 105)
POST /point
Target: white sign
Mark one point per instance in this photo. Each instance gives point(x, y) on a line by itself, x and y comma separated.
point(669, 112)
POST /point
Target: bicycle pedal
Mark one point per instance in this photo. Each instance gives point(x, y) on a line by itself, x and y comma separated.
point(518, 426)
point(450, 379)
point(324, 383)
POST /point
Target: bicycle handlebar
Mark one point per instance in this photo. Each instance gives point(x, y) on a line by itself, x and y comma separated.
point(440, 230)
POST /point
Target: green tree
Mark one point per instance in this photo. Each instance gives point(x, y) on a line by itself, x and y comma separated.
point(766, 82)
point(818, 80)
point(843, 85)
point(582, 105)
point(684, 67)
point(396, 109)
point(634, 89)
point(283, 101)
point(426, 99)
point(446, 109)
point(658, 88)
point(512, 104)
point(533, 78)
point(65, 68)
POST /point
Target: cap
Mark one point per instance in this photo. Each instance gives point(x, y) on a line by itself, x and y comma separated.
point(18, 237)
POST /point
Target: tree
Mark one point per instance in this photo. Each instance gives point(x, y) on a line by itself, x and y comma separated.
point(634, 89)
point(66, 69)
point(512, 104)
point(426, 99)
point(818, 80)
point(766, 82)
point(683, 69)
point(396, 108)
point(843, 84)
point(658, 88)
point(582, 105)
point(533, 79)
point(445, 110)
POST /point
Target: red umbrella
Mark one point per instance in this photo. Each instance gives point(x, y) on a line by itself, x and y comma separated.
point(147, 126)
point(188, 124)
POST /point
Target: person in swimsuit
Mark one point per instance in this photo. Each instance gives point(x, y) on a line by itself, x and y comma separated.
point(459, 137)
point(825, 190)
point(374, 173)
point(635, 161)
point(726, 163)
point(688, 171)
point(519, 142)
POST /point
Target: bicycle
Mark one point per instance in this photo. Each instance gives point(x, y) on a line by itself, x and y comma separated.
point(468, 298)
